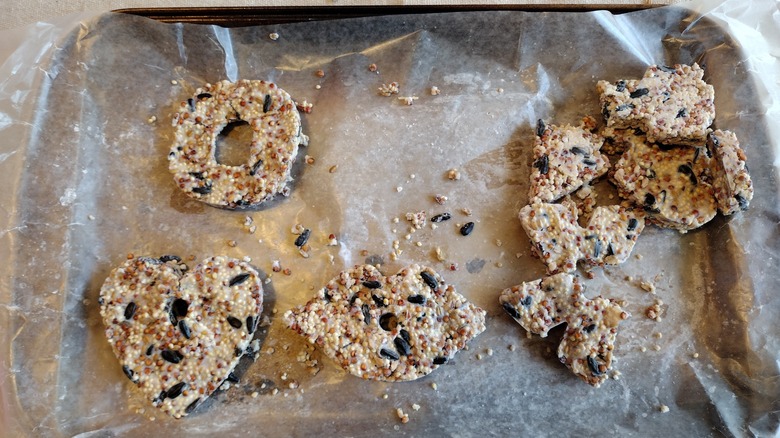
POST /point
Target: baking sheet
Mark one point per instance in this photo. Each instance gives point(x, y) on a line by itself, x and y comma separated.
point(85, 183)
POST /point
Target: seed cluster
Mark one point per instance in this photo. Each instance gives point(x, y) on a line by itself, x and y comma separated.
point(178, 334)
point(565, 158)
point(560, 242)
point(586, 348)
point(672, 105)
point(388, 328)
point(276, 134)
point(731, 181)
point(670, 183)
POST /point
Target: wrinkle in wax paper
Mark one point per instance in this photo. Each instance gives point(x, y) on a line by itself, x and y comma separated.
point(85, 110)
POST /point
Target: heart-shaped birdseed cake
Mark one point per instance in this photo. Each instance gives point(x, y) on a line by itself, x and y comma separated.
point(178, 334)
point(388, 328)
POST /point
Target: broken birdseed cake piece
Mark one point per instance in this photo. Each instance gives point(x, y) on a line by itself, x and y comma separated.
point(560, 242)
point(589, 342)
point(388, 328)
point(672, 105)
point(730, 178)
point(177, 334)
point(565, 158)
point(272, 116)
point(669, 182)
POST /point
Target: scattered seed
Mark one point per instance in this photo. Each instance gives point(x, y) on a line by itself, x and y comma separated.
point(441, 217)
point(663, 408)
point(333, 168)
point(319, 73)
point(303, 238)
point(467, 228)
point(274, 36)
point(372, 68)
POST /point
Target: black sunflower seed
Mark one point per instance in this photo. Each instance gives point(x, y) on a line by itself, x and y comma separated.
point(303, 238)
point(389, 354)
point(204, 190)
point(597, 249)
point(372, 284)
point(682, 113)
point(605, 111)
point(467, 228)
point(589, 328)
point(620, 86)
point(594, 366)
point(632, 224)
point(649, 200)
point(255, 166)
point(238, 279)
point(130, 310)
point(662, 196)
point(250, 324)
point(352, 300)
point(176, 390)
point(170, 258)
point(402, 345)
point(185, 329)
point(578, 151)
point(160, 397)
point(202, 96)
point(232, 378)
point(526, 301)
point(589, 162)
point(191, 103)
point(667, 69)
point(388, 322)
point(540, 128)
point(380, 302)
point(510, 309)
point(326, 294)
point(624, 107)
point(429, 279)
point(267, 103)
point(416, 299)
point(366, 313)
point(743, 203)
point(439, 360)
point(542, 163)
point(404, 334)
point(639, 92)
point(234, 322)
point(238, 352)
point(172, 356)
point(441, 217)
point(179, 308)
point(192, 406)
point(128, 372)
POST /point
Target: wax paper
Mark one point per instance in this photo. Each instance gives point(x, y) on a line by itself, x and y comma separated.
point(85, 111)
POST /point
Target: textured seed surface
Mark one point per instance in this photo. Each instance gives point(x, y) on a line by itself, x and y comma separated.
point(670, 183)
point(419, 328)
point(565, 158)
point(185, 315)
point(671, 105)
point(591, 324)
point(560, 242)
point(276, 135)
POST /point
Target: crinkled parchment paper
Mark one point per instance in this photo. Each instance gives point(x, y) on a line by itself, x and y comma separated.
point(85, 182)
